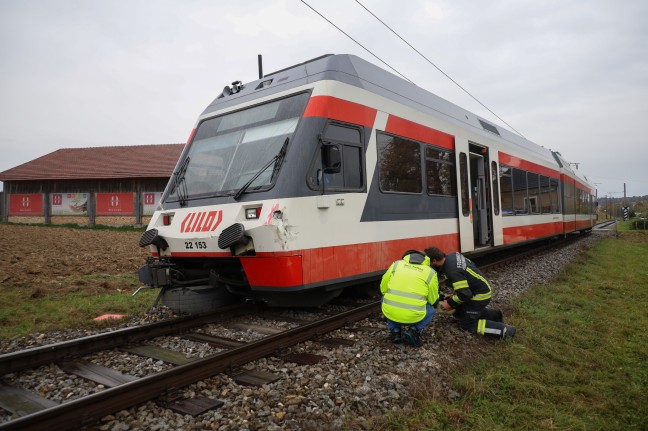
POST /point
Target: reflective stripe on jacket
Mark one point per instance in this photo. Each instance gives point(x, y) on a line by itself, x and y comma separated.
point(407, 288)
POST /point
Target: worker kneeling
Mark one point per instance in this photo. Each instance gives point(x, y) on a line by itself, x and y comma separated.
point(410, 290)
point(471, 295)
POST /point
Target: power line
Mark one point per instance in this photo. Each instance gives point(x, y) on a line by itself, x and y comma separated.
point(438, 68)
point(363, 47)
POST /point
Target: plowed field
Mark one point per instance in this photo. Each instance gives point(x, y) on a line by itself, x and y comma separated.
point(44, 258)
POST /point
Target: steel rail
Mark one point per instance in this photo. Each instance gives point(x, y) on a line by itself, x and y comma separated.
point(81, 412)
point(65, 350)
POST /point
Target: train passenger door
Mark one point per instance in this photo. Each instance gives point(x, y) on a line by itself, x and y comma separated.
point(480, 195)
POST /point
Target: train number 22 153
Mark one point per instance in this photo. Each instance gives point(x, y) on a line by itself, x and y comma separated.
point(195, 245)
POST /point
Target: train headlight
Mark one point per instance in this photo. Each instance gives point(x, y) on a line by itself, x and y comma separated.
point(252, 213)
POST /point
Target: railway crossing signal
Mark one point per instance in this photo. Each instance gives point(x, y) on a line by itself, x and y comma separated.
point(625, 212)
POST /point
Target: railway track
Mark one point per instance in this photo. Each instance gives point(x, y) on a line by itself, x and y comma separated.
point(124, 390)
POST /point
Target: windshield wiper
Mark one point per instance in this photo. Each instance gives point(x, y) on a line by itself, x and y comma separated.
point(179, 185)
point(277, 160)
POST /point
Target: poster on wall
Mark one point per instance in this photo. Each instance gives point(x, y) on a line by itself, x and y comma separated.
point(26, 204)
point(120, 204)
point(69, 203)
point(150, 201)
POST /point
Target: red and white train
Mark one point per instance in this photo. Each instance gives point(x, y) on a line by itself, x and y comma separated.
point(318, 176)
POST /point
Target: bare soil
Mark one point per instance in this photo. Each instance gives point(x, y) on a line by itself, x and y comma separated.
point(60, 258)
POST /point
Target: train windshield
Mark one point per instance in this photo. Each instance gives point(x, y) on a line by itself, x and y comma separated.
point(228, 151)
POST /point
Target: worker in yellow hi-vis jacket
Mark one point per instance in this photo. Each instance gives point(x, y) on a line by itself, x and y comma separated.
point(410, 289)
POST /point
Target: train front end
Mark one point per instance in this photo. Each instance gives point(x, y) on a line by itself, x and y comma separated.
point(220, 232)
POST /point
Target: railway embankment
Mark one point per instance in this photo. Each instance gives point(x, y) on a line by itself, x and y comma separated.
point(356, 386)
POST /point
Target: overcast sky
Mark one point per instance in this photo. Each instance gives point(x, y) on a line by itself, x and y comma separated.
point(571, 76)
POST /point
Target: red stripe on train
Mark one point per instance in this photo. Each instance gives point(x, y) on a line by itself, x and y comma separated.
point(576, 183)
point(408, 129)
point(292, 269)
point(341, 110)
point(525, 233)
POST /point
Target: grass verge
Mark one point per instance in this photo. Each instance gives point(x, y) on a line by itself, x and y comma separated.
point(578, 362)
point(25, 311)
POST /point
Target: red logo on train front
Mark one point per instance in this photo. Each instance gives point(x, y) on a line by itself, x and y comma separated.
point(203, 221)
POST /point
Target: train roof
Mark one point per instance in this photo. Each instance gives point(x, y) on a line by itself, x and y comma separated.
point(355, 71)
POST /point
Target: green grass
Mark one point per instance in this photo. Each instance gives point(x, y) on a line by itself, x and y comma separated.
point(578, 362)
point(24, 311)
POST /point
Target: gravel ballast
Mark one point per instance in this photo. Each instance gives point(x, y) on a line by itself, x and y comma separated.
point(350, 387)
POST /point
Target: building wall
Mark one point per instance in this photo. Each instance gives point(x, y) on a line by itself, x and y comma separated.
point(128, 196)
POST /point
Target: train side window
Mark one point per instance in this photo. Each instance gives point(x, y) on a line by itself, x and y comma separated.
point(582, 201)
point(545, 195)
point(569, 198)
point(506, 183)
point(399, 163)
point(495, 180)
point(519, 191)
point(465, 194)
point(535, 198)
point(555, 202)
point(440, 172)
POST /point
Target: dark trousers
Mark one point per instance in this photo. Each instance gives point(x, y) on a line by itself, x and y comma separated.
point(469, 313)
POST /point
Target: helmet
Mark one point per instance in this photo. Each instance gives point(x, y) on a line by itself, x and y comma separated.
point(416, 256)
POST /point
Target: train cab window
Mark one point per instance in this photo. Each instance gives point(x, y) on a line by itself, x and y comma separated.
point(465, 194)
point(520, 191)
point(399, 163)
point(495, 180)
point(337, 132)
point(506, 182)
point(347, 139)
point(440, 172)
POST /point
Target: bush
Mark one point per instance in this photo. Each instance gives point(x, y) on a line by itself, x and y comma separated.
point(641, 224)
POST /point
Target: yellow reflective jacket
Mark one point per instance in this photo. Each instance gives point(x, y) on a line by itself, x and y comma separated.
point(407, 288)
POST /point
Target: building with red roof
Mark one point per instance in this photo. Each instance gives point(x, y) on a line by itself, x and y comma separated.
point(121, 185)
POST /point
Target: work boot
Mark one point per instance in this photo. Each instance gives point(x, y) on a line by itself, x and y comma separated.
point(499, 316)
point(413, 337)
point(396, 336)
point(508, 332)
point(494, 329)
